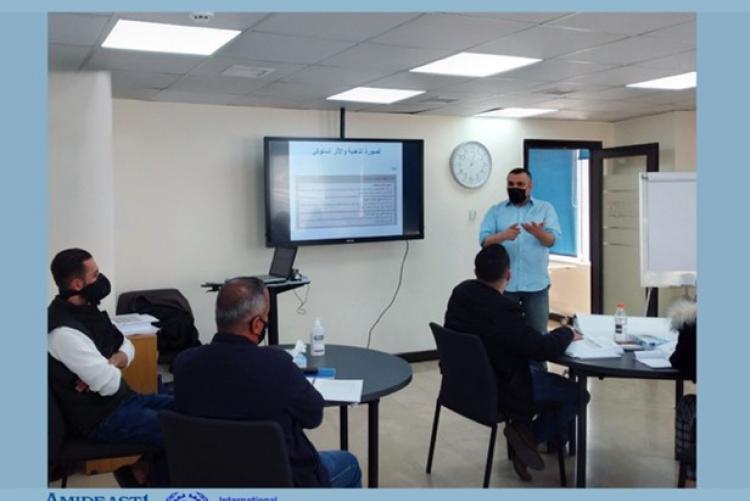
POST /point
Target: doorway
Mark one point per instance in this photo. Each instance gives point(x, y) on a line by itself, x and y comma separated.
point(595, 193)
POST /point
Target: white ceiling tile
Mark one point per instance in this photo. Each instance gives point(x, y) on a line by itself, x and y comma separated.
point(75, 29)
point(284, 49)
point(555, 69)
point(568, 89)
point(217, 85)
point(215, 65)
point(264, 101)
point(618, 93)
point(110, 59)
point(682, 33)
point(561, 104)
point(489, 86)
point(141, 79)
point(546, 42)
point(567, 115)
point(524, 17)
point(418, 81)
point(402, 108)
point(680, 63)
point(225, 20)
point(134, 93)
point(355, 27)
point(622, 76)
point(66, 57)
point(627, 23)
point(448, 31)
point(297, 90)
point(369, 55)
point(331, 75)
point(193, 97)
point(631, 50)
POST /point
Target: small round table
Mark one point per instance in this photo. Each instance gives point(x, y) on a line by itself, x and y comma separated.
point(622, 367)
point(381, 373)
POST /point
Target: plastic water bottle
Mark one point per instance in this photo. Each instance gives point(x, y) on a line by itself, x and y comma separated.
point(317, 339)
point(621, 324)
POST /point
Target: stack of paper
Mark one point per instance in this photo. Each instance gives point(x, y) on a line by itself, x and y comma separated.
point(656, 359)
point(135, 323)
point(339, 390)
point(588, 348)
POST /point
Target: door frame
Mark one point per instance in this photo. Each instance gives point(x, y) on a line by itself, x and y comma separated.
point(596, 215)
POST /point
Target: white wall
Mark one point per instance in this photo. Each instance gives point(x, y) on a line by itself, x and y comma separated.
point(676, 134)
point(189, 209)
point(81, 198)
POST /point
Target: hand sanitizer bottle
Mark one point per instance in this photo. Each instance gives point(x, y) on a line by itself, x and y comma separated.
point(317, 339)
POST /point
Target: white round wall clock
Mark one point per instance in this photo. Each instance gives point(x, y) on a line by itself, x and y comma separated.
point(471, 164)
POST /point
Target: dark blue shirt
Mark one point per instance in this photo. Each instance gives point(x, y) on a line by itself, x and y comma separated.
point(232, 378)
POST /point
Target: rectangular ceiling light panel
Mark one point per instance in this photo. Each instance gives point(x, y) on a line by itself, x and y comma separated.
point(169, 38)
point(375, 95)
point(470, 64)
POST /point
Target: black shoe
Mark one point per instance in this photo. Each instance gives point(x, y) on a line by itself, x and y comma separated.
point(524, 446)
point(520, 469)
point(125, 478)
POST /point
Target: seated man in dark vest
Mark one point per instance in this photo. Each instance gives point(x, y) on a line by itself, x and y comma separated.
point(234, 378)
point(86, 355)
point(479, 307)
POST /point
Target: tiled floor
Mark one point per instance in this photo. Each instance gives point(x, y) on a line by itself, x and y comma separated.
point(631, 429)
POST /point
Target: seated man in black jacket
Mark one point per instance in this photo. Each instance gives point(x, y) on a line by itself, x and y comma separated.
point(86, 355)
point(234, 378)
point(479, 307)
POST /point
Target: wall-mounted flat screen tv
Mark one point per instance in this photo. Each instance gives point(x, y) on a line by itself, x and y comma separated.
point(329, 191)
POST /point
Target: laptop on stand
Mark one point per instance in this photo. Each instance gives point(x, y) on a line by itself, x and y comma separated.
point(281, 265)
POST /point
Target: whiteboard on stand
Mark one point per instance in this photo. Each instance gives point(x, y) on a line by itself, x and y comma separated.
point(668, 217)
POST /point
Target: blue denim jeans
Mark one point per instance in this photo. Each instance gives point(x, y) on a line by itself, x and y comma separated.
point(536, 311)
point(548, 387)
point(343, 468)
point(136, 420)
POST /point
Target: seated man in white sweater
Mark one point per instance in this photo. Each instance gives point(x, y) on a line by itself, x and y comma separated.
point(86, 355)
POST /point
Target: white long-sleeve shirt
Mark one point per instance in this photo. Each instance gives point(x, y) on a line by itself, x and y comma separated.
point(79, 354)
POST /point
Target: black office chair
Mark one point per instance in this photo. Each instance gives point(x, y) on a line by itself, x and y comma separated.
point(66, 450)
point(177, 331)
point(469, 388)
point(203, 452)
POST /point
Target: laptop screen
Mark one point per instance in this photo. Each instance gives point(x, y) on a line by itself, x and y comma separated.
point(283, 260)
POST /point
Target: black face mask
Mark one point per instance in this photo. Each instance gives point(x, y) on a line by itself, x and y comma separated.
point(263, 333)
point(93, 292)
point(517, 196)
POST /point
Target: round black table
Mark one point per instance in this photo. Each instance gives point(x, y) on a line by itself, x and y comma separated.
point(622, 367)
point(381, 373)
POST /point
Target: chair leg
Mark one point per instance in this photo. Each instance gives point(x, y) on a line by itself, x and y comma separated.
point(560, 447)
point(433, 438)
point(490, 453)
point(510, 451)
point(64, 481)
point(561, 460)
point(682, 477)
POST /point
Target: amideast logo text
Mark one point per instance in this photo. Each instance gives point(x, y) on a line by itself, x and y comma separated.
point(53, 497)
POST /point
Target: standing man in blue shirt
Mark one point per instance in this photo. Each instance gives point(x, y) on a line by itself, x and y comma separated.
point(527, 228)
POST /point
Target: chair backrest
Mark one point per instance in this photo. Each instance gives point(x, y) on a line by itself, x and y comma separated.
point(469, 386)
point(203, 452)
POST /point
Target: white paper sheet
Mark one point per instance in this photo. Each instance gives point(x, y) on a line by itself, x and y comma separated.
point(339, 390)
point(655, 359)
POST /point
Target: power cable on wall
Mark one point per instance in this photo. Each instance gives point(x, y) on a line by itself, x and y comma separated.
point(393, 299)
